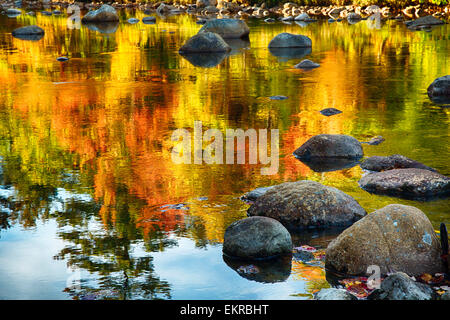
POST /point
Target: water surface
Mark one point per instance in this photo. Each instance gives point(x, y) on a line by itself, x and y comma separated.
point(92, 206)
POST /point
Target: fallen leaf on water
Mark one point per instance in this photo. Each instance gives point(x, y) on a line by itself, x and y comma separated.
point(305, 247)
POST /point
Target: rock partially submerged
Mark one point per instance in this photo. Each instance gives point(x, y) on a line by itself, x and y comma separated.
point(28, 33)
point(424, 21)
point(439, 89)
point(105, 13)
point(410, 183)
point(205, 42)
point(395, 238)
point(289, 40)
point(399, 286)
point(255, 194)
point(256, 238)
point(307, 64)
point(305, 204)
point(396, 161)
point(334, 294)
point(227, 28)
point(330, 146)
point(330, 112)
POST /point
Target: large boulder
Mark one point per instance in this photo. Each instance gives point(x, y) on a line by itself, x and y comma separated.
point(256, 238)
point(396, 161)
point(330, 146)
point(205, 42)
point(334, 294)
point(410, 183)
point(105, 13)
point(227, 28)
point(28, 33)
point(439, 89)
point(395, 238)
point(289, 40)
point(399, 286)
point(304, 204)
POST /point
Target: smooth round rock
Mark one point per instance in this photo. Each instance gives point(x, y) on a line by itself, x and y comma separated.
point(105, 13)
point(307, 64)
point(289, 40)
point(307, 204)
point(330, 146)
point(256, 238)
point(407, 183)
point(439, 89)
point(396, 237)
point(205, 42)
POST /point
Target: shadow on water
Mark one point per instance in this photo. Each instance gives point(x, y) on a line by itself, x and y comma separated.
point(327, 165)
point(265, 271)
point(285, 54)
point(205, 60)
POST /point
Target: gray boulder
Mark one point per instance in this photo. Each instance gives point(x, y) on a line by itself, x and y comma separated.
point(395, 238)
point(304, 204)
point(410, 183)
point(330, 146)
point(205, 42)
point(307, 64)
point(399, 286)
point(289, 40)
point(226, 28)
point(334, 294)
point(396, 161)
point(439, 89)
point(105, 13)
point(255, 194)
point(28, 33)
point(256, 238)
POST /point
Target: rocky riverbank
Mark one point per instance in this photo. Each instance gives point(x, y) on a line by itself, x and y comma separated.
point(287, 11)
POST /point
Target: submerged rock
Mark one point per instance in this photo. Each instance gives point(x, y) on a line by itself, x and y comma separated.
point(396, 161)
point(307, 64)
point(227, 28)
point(205, 42)
point(407, 183)
point(395, 238)
point(133, 20)
point(256, 238)
point(105, 13)
point(330, 146)
point(399, 286)
point(439, 89)
point(330, 112)
point(28, 33)
point(149, 19)
point(305, 204)
point(375, 141)
point(289, 40)
point(204, 59)
point(334, 294)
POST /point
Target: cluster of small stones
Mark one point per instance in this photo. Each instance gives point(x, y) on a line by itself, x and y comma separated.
point(285, 12)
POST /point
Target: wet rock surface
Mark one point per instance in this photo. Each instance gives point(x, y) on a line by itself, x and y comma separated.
point(306, 203)
point(334, 294)
point(105, 13)
point(330, 112)
point(289, 40)
point(395, 238)
point(257, 238)
point(399, 286)
point(330, 146)
point(307, 64)
point(410, 183)
point(396, 161)
point(439, 90)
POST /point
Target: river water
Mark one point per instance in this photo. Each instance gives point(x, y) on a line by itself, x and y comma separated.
point(92, 206)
